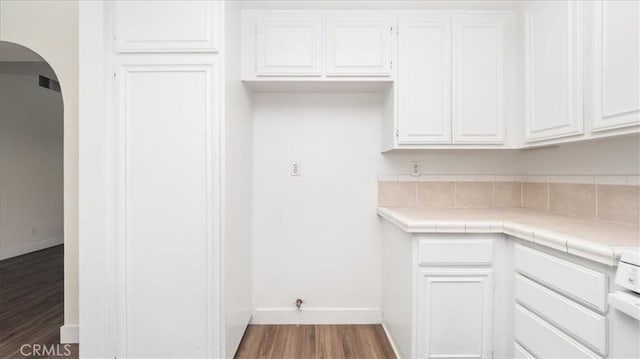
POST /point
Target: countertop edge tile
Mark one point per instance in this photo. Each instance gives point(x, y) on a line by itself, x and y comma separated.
point(550, 239)
point(589, 250)
point(601, 253)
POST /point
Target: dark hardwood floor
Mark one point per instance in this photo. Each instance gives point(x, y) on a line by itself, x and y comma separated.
point(31, 303)
point(315, 341)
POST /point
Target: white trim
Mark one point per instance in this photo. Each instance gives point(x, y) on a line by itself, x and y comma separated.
point(571, 179)
point(615, 180)
point(633, 180)
point(30, 246)
point(316, 316)
point(70, 334)
point(392, 342)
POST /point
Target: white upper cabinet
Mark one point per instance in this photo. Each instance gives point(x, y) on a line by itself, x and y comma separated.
point(167, 26)
point(478, 80)
point(451, 80)
point(616, 66)
point(288, 45)
point(316, 46)
point(358, 46)
point(424, 80)
point(553, 75)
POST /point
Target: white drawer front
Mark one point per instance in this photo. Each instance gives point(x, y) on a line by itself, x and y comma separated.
point(455, 251)
point(583, 284)
point(521, 353)
point(585, 324)
point(544, 340)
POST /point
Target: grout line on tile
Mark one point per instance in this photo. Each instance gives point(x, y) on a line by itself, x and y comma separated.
point(596, 199)
point(548, 187)
point(455, 194)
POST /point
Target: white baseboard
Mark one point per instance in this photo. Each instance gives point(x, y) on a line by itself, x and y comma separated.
point(70, 334)
point(391, 341)
point(316, 316)
point(29, 246)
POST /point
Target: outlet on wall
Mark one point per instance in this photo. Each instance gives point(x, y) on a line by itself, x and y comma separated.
point(414, 168)
point(294, 169)
point(34, 232)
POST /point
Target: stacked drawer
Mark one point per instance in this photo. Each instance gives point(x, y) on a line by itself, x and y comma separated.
point(560, 308)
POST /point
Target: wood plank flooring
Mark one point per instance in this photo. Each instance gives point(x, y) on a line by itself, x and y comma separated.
point(32, 302)
point(315, 341)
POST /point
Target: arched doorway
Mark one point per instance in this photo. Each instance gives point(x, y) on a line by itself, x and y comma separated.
point(31, 203)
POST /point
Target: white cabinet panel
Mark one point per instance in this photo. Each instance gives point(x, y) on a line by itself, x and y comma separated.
point(583, 323)
point(581, 283)
point(478, 80)
point(288, 45)
point(166, 162)
point(425, 81)
point(544, 340)
point(553, 89)
point(167, 26)
point(452, 251)
point(358, 47)
point(616, 46)
point(521, 353)
point(454, 313)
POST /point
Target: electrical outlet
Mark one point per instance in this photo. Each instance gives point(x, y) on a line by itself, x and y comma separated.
point(415, 168)
point(34, 232)
point(294, 169)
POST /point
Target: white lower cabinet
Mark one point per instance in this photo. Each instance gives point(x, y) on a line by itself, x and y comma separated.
point(521, 353)
point(559, 306)
point(544, 340)
point(473, 295)
point(577, 320)
point(454, 308)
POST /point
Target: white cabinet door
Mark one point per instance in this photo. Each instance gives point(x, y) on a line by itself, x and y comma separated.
point(478, 80)
point(165, 209)
point(544, 340)
point(167, 26)
point(616, 46)
point(455, 308)
point(424, 62)
point(288, 45)
point(358, 47)
point(553, 75)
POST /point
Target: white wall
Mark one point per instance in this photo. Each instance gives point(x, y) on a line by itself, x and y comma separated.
point(50, 28)
point(613, 156)
point(237, 190)
point(316, 236)
point(31, 184)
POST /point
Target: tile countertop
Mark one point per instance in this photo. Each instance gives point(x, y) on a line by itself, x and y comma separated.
point(598, 241)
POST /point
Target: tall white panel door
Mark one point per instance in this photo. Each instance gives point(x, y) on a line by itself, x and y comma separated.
point(478, 80)
point(455, 307)
point(358, 47)
point(167, 26)
point(289, 45)
point(424, 62)
point(553, 70)
point(166, 209)
point(616, 81)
